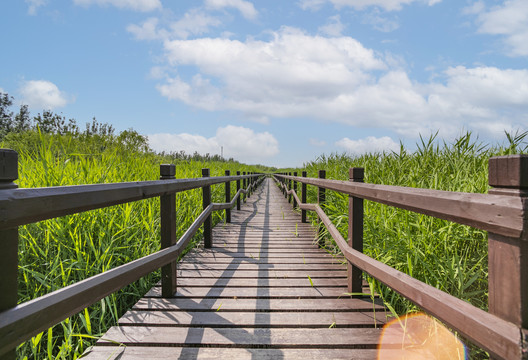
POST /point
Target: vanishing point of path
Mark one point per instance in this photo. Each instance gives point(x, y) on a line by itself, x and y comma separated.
point(264, 291)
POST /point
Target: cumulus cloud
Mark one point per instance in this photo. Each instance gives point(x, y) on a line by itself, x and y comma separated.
point(509, 20)
point(337, 79)
point(135, 5)
point(370, 144)
point(42, 94)
point(388, 5)
point(238, 142)
point(33, 5)
point(246, 8)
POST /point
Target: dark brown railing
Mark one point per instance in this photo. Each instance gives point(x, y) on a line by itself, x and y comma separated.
point(19, 323)
point(503, 212)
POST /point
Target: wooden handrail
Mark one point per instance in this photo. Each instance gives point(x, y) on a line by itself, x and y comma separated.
point(25, 206)
point(500, 214)
point(503, 213)
point(492, 333)
point(19, 323)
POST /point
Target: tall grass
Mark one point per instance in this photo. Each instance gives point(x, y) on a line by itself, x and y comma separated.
point(59, 252)
point(443, 254)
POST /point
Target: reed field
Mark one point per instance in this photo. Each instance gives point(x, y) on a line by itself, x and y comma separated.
point(443, 254)
point(59, 252)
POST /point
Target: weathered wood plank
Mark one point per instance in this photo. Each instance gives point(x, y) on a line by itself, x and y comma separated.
point(261, 292)
point(215, 353)
point(230, 304)
point(219, 318)
point(345, 338)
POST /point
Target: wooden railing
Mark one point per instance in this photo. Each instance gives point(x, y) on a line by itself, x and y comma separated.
point(503, 212)
point(19, 323)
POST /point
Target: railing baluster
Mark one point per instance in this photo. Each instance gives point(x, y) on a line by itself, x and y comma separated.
point(238, 188)
point(244, 184)
point(207, 230)
point(355, 232)
point(321, 197)
point(228, 197)
point(289, 188)
point(169, 279)
point(508, 256)
point(8, 242)
point(303, 198)
point(295, 189)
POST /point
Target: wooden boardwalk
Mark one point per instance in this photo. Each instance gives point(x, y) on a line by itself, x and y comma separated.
point(264, 291)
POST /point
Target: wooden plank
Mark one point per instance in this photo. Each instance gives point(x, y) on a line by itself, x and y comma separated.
point(215, 353)
point(345, 338)
point(262, 274)
point(251, 292)
point(219, 318)
point(246, 266)
point(261, 282)
point(241, 304)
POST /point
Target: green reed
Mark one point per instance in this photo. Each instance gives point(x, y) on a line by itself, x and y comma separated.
point(58, 252)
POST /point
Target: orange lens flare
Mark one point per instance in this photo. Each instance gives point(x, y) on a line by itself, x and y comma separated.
point(418, 336)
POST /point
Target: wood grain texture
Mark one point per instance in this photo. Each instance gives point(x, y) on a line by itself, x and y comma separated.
point(264, 289)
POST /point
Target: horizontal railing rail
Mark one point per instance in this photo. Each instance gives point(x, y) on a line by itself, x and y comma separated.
point(25, 206)
point(500, 214)
point(502, 330)
point(18, 323)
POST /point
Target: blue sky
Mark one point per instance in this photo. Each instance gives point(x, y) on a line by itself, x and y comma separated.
point(273, 82)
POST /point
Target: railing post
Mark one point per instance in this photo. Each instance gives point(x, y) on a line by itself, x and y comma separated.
point(8, 242)
point(289, 188)
point(355, 232)
point(228, 197)
point(295, 189)
point(508, 256)
point(303, 198)
point(321, 197)
point(244, 183)
point(169, 272)
point(207, 231)
point(238, 188)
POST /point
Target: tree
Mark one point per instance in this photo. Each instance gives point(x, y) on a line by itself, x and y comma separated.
point(22, 120)
point(6, 115)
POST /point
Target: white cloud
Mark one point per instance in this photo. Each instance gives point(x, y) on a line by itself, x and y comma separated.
point(388, 5)
point(337, 79)
point(246, 8)
point(370, 144)
point(380, 22)
point(509, 20)
point(238, 142)
point(334, 27)
point(193, 22)
point(33, 5)
point(43, 94)
point(136, 5)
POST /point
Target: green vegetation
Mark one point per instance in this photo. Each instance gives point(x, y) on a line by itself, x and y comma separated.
point(59, 252)
point(443, 254)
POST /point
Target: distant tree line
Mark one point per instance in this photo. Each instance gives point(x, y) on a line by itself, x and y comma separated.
point(19, 130)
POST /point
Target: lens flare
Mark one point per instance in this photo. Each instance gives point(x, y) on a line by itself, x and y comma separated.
point(418, 336)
